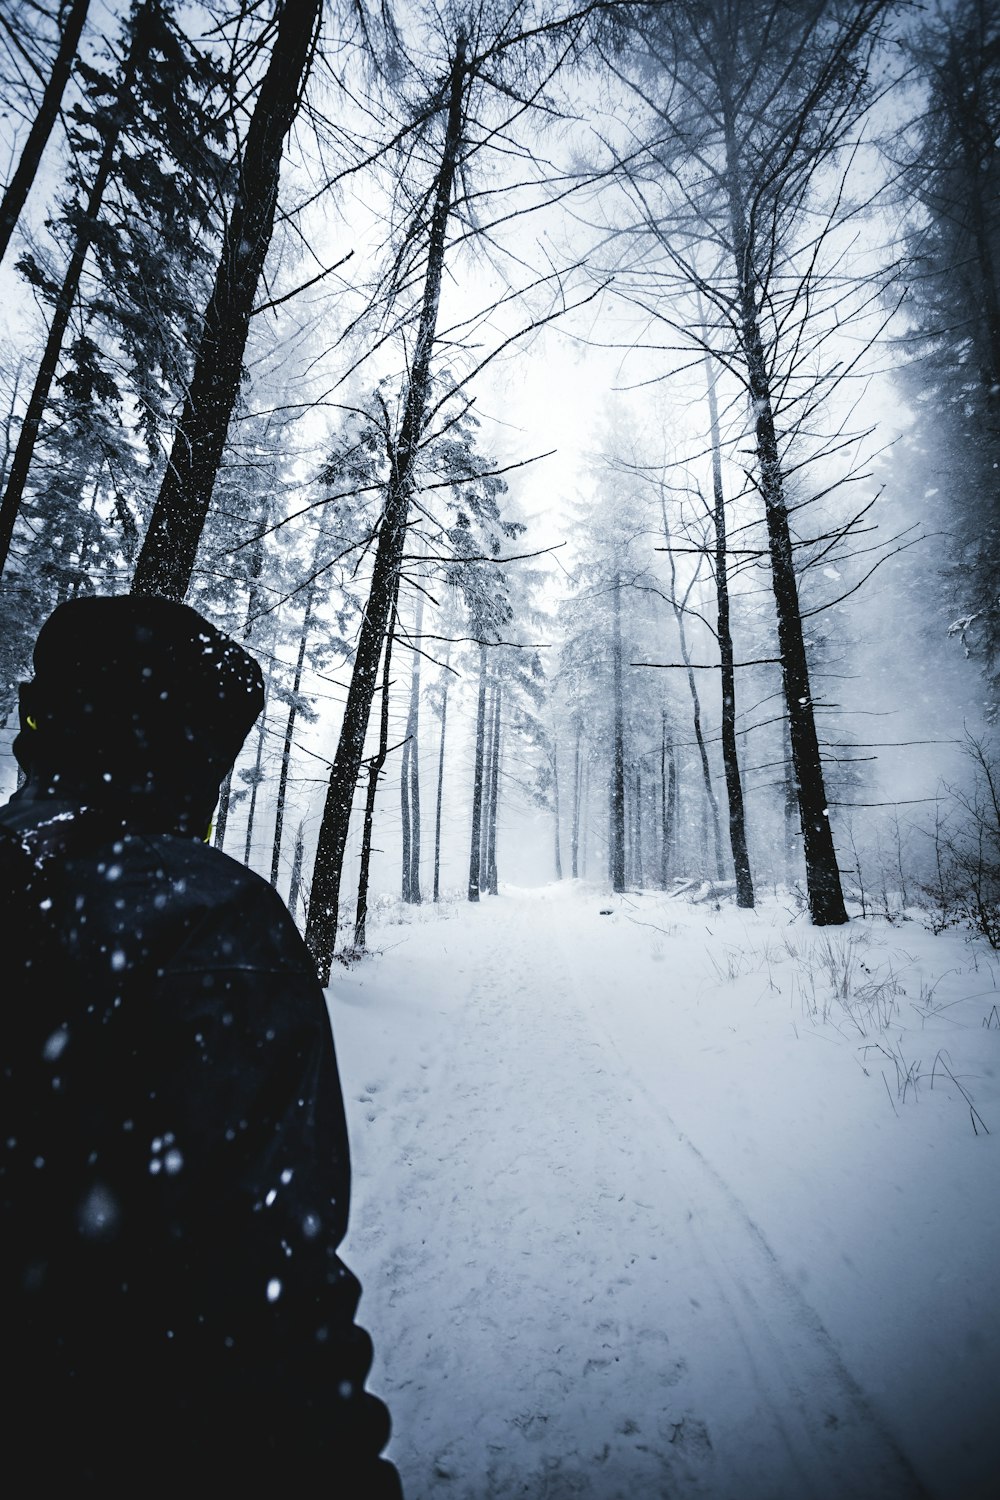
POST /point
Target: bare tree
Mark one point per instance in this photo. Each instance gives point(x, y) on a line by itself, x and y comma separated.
point(727, 670)
point(490, 67)
point(680, 605)
point(759, 100)
point(321, 927)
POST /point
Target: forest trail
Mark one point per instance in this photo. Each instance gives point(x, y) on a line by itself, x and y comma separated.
point(567, 1300)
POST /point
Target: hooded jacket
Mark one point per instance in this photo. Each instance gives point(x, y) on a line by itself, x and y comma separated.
point(174, 1172)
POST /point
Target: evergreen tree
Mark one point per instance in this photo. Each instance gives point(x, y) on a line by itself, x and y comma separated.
point(167, 557)
point(951, 375)
point(134, 223)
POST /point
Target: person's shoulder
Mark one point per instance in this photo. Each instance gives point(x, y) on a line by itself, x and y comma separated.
point(203, 868)
point(242, 920)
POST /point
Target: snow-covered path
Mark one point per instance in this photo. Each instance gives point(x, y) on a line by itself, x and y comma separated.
point(567, 1298)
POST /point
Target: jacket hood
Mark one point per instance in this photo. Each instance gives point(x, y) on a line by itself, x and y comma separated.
point(136, 698)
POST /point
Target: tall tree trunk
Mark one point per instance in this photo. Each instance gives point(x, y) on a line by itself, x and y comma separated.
point(577, 791)
point(78, 570)
point(24, 452)
point(413, 757)
point(221, 821)
point(440, 786)
point(286, 749)
point(10, 415)
point(71, 21)
point(492, 883)
point(404, 818)
point(555, 798)
point(678, 609)
point(790, 806)
point(475, 843)
point(167, 556)
point(295, 882)
point(637, 870)
point(675, 801)
point(484, 842)
point(254, 787)
point(255, 571)
point(321, 927)
point(668, 797)
point(730, 755)
point(374, 772)
point(617, 850)
point(826, 899)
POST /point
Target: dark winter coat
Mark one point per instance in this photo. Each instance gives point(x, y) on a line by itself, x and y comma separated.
point(175, 1173)
point(173, 1156)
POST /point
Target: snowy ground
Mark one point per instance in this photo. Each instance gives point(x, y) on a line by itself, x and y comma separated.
point(644, 1208)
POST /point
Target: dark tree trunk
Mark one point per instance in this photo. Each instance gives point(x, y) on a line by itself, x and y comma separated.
point(25, 449)
point(711, 803)
point(253, 601)
point(404, 815)
point(668, 795)
point(492, 883)
point(491, 710)
point(440, 788)
point(15, 196)
point(675, 802)
point(617, 841)
point(476, 841)
point(374, 772)
point(413, 761)
point(826, 900)
point(254, 787)
point(77, 571)
point(790, 807)
point(730, 756)
point(222, 811)
point(637, 870)
point(415, 895)
point(295, 883)
point(167, 556)
point(286, 749)
point(321, 927)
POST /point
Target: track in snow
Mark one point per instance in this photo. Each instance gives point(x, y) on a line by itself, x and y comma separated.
point(567, 1300)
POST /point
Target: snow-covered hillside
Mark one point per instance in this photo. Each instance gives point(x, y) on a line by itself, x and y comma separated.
point(659, 1200)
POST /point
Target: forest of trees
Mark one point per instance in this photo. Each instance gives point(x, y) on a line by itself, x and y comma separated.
point(301, 301)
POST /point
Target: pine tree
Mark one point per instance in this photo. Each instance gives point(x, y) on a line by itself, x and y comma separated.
point(951, 369)
point(760, 99)
point(167, 557)
point(143, 185)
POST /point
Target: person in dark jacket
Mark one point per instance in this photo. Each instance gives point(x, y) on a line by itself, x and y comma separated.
point(174, 1174)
